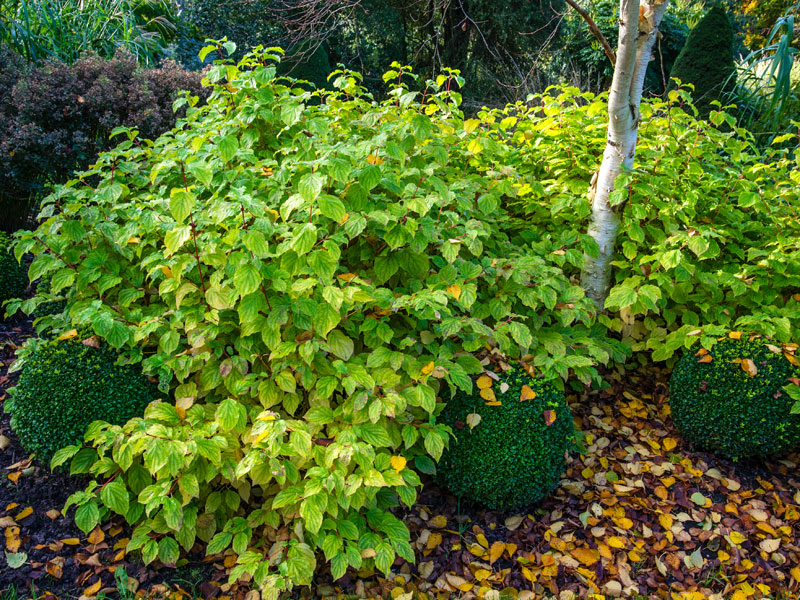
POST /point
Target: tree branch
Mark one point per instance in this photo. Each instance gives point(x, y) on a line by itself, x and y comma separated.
point(595, 31)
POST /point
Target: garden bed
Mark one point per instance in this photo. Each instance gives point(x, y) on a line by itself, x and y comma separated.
point(639, 514)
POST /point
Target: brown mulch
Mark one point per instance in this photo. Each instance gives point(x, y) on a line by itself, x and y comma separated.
point(640, 514)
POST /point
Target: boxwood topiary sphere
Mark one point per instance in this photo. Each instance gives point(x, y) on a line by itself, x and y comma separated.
point(512, 457)
point(64, 386)
point(717, 405)
point(13, 280)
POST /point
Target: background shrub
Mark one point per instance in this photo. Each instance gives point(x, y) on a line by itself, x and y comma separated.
point(514, 456)
point(64, 386)
point(58, 117)
point(720, 406)
point(13, 280)
point(706, 60)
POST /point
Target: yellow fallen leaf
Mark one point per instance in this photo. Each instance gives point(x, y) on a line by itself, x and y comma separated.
point(482, 540)
point(670, 444)
point(71, 541)
point(96, 536)
point(482, 574)
point(428, 369)
point(749, 367)
point(434, 540)
point(346, 276)
point(736, 537)
point(795, 573)
point(665, 521)
point(24, 513)
point(473, 419)
point(706, 359)
point(454, 290)
point(398, 463)
point(488, 395)
point(735, 335)
point(12, 539)
point(93, 589)
point(791, 359)
point(587, 556)
point(526, 393)
point(494, 403)
point(495, 552)
point(68, 335)
point(484, 382)
point(616, 542)
point(549, 417)
point(438, 521)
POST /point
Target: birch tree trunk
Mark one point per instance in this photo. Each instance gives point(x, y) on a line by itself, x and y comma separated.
point(638, 30)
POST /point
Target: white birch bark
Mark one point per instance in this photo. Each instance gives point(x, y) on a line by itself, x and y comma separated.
point(638, 30)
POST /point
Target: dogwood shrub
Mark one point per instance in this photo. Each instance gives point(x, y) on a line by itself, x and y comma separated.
point(308, 275)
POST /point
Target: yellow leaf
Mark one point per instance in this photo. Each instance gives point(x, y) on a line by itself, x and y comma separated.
point(665, 521)
point(495, 552)
point(346, 276)
point(549, 417)
point(795, 573)
point(166, 271)
point(184, 403)
point(398, 463)
point(494, 403)
point(471, 125)
point(133, 240)
point(434, 540)
point(473, 419)
point(12, 539)
point(68, 335)
point(736, 537)
point(482, 540)
point(439, 521)
point(616, 542)
point(374, 160)
point(484, 382)
point(482, 574)
point(749, 367)
point(428, 369)
point(791, 359)
point(706, 359)
point(96, 536)
point(488, 395)
point(24, 513)
point(526, 393)
point(93, 589)
point(454, 290)
point(735, 335)
point(586, 556)
point(71, 541)
point(474, 146)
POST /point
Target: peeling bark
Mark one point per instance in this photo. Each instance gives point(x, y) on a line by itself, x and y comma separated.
point(638, 30)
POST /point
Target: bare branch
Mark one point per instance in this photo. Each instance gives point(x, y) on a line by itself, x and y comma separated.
point(595, 31)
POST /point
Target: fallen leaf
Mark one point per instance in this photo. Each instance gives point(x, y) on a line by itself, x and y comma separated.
point(488, 395)
point(12, 539)
point(67, 335)
point(735, 335)
point(484, 382)
point(749, 367)
point(587, 556)
point(16, 559)
point(527, 393)
point(736, 538)
point(791, 359)
point(706, 359)
point(512, 523)
point(496, 551)
point(23, 514)
point(473, 419)
point(71, 541)
point(549, 417)
point(96, 536)
point(769, 545)
point(92, 590)
point(699, 499)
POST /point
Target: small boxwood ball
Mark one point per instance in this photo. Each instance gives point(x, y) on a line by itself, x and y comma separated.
point(514, 456)
point(719, 406)
point(13, 279)
point(64, 386)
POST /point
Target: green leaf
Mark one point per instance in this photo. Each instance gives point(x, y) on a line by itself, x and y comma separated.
point(16, 559)
point(310, 186)
point(115, 496)
point(181, 203)
point(168, 550)
point(87, 516)
point(301, 563)
point(228, 146)
point(247, 278)
point(230, 414)
point(332, 207)
point(620, 296)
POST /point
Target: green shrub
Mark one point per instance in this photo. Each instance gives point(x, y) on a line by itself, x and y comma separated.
point(720, 406)
point(13, 280)
point(706, 60)
point(514, 456)
point(48, 307)
point(64, 386)
point(307, 277)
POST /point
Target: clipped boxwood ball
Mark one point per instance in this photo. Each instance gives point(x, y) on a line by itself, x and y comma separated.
point(13, 279)
point(719, 406)
point(512, 457)
point(64, 386)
